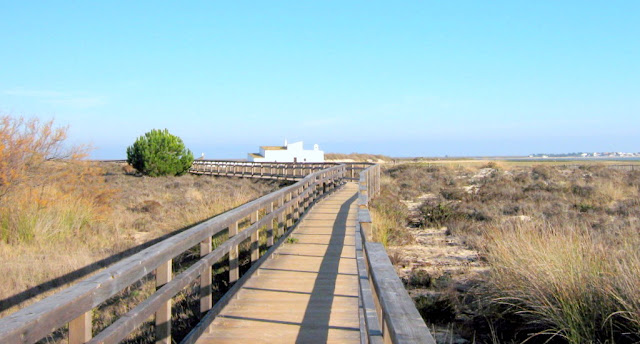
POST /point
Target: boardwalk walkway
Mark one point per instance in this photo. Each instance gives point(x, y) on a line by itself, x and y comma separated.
point(308, 291)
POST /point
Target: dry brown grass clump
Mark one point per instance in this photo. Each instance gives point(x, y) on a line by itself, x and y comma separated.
point(568, 280)
point(563, 245)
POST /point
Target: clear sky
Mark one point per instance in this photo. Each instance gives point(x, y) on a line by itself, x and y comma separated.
point(424, 78)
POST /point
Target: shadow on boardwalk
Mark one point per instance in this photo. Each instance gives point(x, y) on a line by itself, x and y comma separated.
point(318, 310)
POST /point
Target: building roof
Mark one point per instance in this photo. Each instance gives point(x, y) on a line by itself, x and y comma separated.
point(274, 147)
point(255, 155)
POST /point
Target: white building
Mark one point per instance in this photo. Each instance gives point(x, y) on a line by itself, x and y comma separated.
point(290, 152)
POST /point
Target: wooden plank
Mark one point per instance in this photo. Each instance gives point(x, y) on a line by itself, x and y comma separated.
point(206, 299)
point(270, 226)
point(255, 237)
point(163, 314)
point(404, 323)
point(370, 315)
point(80, 329)
point(234, 272)
point(364, 216)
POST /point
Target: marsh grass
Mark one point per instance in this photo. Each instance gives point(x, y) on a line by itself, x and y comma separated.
point(562, 242)
point(572, 282)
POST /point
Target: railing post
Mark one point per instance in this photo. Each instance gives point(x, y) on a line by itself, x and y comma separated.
point(289, 212)
point(270, 226)
point(163, 314)
point(80, 329)
point(281, 217)
point(255, 252)
point(234, 273)
point(206, 299)
point(307, 197)
point(296, 209)
point(379, 179)
point(363, 189)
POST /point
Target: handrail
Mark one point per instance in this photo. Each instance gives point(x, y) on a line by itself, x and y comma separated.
point(271, 170)
point(389, 314)
point(74, 304)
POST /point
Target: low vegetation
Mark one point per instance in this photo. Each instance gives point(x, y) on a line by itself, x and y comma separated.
point(63, 218)
point(561, 243)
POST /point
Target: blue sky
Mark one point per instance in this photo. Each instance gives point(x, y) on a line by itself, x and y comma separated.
point(421, 78)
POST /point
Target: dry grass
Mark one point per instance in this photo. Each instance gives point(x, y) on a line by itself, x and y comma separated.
point(360, 157)
point(562, 243)
point(567, 279)
point(389, 217)
point(52, 234)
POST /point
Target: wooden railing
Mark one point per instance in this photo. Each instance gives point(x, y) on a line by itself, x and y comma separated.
point(280, 211)
point(388, 314)
point(271, 170)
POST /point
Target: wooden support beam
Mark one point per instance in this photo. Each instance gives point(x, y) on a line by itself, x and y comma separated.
point(281, 218)
point(163, 314)
point(206, 299)
point(234, 272)
point(296, 206)
point(80, 329)
point(255, 237)
point(289, 212)
point(270, 226)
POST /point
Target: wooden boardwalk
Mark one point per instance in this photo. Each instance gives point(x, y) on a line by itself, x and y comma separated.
point(308, 291)
point(330, 284)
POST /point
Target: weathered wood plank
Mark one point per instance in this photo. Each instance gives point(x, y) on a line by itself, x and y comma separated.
point(234, 272)
point(403, 320)
point(255, 237)
point(80, 329)
point(163, 313)
point(370, 315)
point(206, 299)
point(269, 210)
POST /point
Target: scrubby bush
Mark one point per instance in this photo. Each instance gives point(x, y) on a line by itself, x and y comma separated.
point(47, 191)
point(158, 153)
point(562, 244)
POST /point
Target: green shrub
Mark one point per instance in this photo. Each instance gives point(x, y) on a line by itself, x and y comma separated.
point(440, 214)
point(158, 153)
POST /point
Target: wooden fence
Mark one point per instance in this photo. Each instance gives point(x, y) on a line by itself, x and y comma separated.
point(271, 170)
point(281, 210)
point(388, 314)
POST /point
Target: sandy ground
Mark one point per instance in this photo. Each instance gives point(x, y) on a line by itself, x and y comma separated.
point(449, 263)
